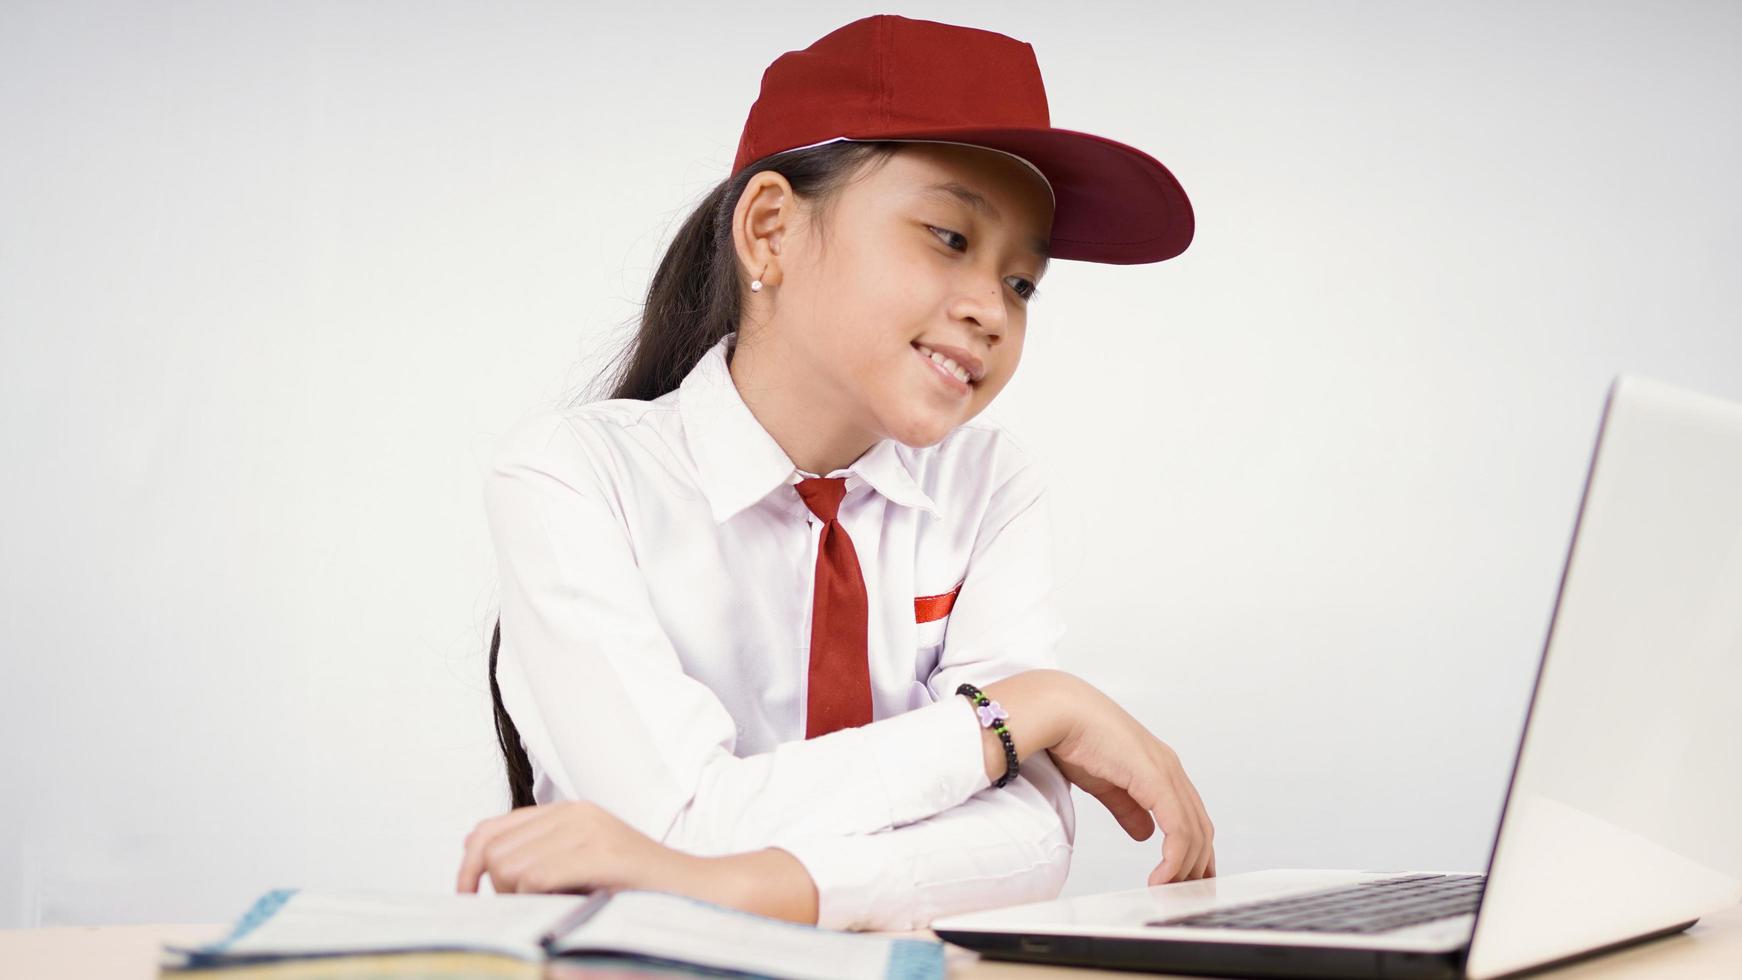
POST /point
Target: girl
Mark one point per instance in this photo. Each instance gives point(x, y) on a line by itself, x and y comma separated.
point(777, 625)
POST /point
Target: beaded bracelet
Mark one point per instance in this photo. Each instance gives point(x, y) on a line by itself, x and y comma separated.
point(992, 715)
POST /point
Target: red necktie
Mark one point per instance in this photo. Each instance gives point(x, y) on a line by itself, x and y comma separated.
point(839, 690)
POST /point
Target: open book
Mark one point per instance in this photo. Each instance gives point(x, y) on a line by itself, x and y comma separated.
point(648, 926)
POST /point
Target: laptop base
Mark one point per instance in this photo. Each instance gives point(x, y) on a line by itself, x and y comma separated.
point(1238, 960)
point(1209, 959)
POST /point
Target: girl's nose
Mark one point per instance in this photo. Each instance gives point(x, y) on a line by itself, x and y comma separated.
point(987, 311)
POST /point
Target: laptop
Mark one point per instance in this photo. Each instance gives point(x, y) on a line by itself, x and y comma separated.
point(1622, 819)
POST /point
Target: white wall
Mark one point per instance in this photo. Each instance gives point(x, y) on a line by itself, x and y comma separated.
point(273, 278)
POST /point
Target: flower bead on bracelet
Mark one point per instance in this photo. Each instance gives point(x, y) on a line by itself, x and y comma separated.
point(990, 713)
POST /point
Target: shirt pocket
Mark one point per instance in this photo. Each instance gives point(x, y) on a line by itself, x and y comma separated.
point(931, 616)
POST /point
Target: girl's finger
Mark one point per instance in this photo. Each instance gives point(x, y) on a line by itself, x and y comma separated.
point(1199, 817)
point(472, 862)
point(535, 865)
point(518, 850)
point(1131, 816)
point(1203, 811)
point(1200, 864)
point(1183, 822)
point(1200, 856)
point(1202, 869)
point(1174, 850)
point(1175, 845)
point(1209, 828)
point(1192, 853)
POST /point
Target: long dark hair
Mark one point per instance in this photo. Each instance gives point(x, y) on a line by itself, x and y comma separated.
point(692, 302)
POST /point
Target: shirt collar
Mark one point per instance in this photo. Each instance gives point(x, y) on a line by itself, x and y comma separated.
point(740, 463)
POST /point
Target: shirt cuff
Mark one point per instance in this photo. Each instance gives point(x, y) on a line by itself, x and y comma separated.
point(854, 879)
point(929, 759)
point(926, 761)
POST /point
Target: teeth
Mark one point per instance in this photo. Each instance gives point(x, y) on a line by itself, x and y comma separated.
point(949, 365)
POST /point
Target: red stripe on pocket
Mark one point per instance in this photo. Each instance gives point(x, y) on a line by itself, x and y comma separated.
point(928, 608)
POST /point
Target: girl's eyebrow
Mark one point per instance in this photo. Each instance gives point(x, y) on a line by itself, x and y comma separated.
point(978, 202)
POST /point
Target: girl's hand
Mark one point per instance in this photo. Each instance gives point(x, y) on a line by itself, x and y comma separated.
point(1136, 775)
point(575, 846)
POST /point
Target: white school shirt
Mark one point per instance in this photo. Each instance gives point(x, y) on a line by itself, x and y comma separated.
point(656, 566)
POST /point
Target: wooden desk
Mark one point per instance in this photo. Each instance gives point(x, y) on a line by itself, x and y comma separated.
point(1712, 949)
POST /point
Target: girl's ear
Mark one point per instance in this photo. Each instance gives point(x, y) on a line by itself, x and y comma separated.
point(759, 224)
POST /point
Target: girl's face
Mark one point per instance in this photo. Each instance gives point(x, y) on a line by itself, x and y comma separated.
point(936, 248)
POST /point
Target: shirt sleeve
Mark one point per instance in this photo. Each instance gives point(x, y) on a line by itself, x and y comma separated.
point(1006, 617)
point(1002, 846)
point(599, 694)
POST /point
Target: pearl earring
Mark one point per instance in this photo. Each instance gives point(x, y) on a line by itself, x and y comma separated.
point(756, 285)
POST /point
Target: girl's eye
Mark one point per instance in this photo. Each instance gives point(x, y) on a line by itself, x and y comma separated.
point(956, 234)
point(1025, 289)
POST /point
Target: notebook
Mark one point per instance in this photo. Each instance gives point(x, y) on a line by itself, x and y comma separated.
point(639, 926)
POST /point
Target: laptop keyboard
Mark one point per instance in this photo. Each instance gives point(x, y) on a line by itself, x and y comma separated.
point(1368, 906)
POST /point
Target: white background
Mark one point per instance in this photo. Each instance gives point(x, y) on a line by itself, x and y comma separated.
point(274, 277)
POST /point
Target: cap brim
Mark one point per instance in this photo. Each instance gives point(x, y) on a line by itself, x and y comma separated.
point(1113, 203)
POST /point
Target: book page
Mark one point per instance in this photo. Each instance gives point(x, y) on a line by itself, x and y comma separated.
point(675, 927)
point(301, 923)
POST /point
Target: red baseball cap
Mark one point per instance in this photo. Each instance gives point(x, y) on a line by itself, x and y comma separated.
point(888, 77)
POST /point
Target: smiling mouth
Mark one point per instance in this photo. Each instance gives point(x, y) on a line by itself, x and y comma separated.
point(950, 381)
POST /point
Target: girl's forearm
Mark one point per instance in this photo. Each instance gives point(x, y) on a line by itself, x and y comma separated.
point(774, 883)
point(769, 882)
point(1040, 703)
